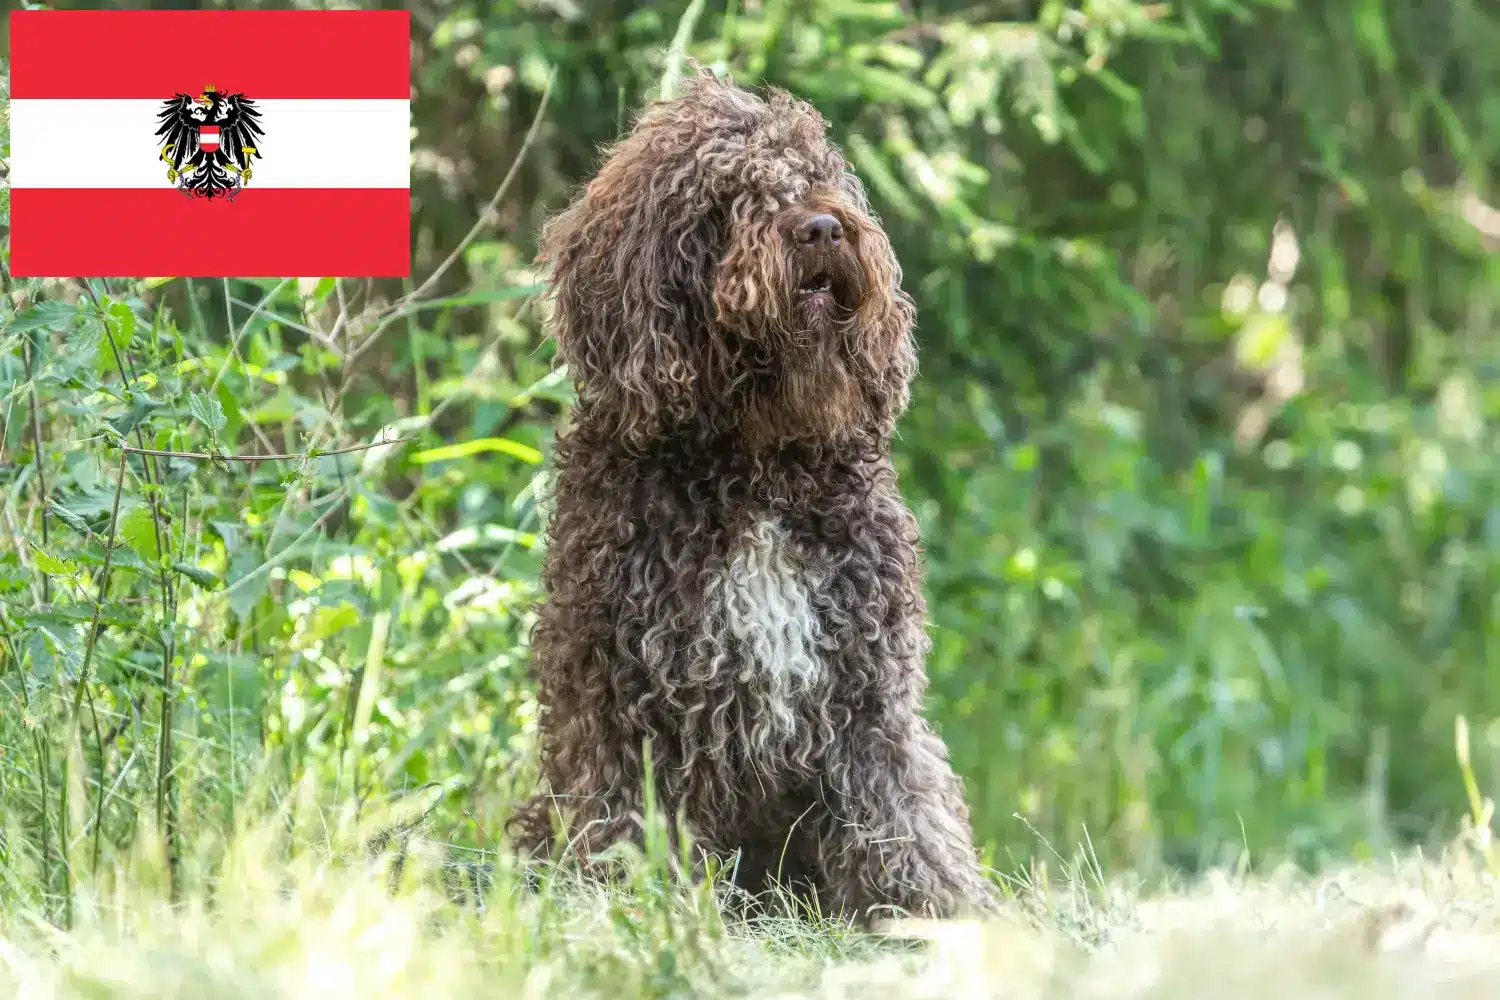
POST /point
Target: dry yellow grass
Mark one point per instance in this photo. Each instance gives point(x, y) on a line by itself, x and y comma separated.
point(262, 920)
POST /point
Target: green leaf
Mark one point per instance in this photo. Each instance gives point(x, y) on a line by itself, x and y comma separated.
point(57, 649)
point(244, 564)
point(76, 365)
point(140, 408)
point(378, 508)
point(326, 621)
point(197, 574)
point(505, 446)
point(138, 528)
point(52, 565)
point(119, 324)
point(207, 411)
point(12, 580)
point(230, 405)
point(322, 289)
point(42, 316)
point(874, 170)
point(1370, 26)
point(882, 84)
point(88, 505)
point(68, 517)
point(229, 531)
point(110, 613)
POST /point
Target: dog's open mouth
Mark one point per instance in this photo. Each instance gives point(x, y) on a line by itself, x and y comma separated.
point(828, 286)
point(819, 282)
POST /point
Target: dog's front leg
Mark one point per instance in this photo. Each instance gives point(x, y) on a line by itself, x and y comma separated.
point(898, 841)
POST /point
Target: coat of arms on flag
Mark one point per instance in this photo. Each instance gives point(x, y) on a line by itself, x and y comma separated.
point(217, 158)
point(208, 142)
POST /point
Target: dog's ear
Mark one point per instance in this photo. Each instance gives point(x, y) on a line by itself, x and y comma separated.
point(630, 260)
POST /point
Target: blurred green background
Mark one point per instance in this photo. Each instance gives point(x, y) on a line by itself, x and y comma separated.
point(1203, 444)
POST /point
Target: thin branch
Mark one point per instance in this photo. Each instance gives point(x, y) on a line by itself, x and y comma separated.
point(473, 234)
point(38, 455)
point(82, 684)
point(235, 338)
point(166, 820)
point(203, 456)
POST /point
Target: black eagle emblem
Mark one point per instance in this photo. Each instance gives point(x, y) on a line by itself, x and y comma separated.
point(208, 141)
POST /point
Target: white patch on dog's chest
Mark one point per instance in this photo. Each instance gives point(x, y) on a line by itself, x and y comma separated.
point(767, 603)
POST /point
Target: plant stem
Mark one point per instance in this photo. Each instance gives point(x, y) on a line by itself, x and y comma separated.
point(165, 821)
point(83, 679)
point(203, 456)
point(41, 467)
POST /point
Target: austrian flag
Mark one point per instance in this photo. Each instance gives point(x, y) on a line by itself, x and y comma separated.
point(264, 143)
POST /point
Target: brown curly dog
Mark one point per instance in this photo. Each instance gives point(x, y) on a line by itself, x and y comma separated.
point(731, 572)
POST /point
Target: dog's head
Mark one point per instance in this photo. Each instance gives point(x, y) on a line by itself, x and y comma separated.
point(723, 272)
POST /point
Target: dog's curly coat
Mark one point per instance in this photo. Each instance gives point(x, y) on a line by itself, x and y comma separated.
point(732, 574)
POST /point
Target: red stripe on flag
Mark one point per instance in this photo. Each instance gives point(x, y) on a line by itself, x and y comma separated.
point(268, 233)
point(264, 54)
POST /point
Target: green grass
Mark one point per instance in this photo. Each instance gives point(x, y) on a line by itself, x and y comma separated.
point(294, 904)
point(1140, 629)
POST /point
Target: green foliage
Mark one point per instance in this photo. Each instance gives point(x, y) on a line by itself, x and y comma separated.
point(1202, 446)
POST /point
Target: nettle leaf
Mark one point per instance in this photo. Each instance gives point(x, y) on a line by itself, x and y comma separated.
point(91, 504)
point(13, 579)
point(121, 321)
point(85, 511)
point(68, 517)
point(231, 409)
point(82, 465)
point(73, 366)
point(52, 565)
point(199, 575)
point(110, 613)
point(124, 558)
point(207, 410)
point(141, 407)
point(56, 648)
point(116, 335)
point(39, 649)
point(138, 528)
point(43, 316)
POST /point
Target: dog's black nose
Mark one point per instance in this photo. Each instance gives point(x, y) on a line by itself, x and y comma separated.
point(822, 232)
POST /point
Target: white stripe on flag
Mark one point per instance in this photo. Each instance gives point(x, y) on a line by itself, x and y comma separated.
point(307, 144)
